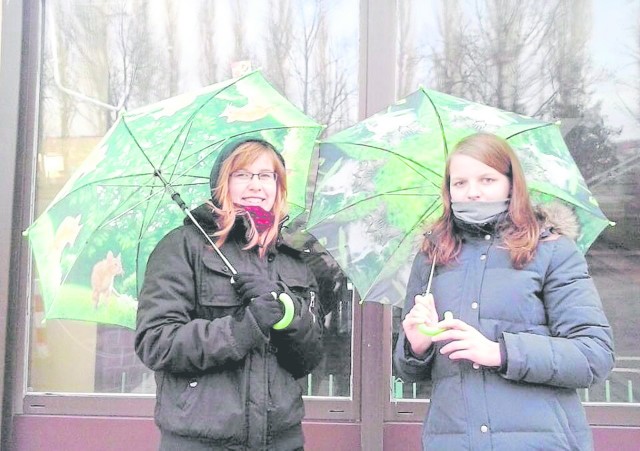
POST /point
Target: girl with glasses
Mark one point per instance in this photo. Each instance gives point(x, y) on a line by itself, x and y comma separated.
point(227, 348)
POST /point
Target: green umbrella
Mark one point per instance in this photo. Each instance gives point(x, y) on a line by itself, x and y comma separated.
point(92, 242)
point(379, 181)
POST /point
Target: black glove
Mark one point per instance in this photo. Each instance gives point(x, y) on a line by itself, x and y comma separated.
point(250, 286)
point(266, 310)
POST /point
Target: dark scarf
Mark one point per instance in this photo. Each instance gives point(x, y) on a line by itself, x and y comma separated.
point(262, 218)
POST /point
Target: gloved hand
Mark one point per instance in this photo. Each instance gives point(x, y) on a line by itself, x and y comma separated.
point(250, 286)
point(266, 310)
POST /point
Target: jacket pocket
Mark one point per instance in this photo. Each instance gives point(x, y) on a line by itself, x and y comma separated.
point(216, 295)
point(295, 277)
point(206, 406)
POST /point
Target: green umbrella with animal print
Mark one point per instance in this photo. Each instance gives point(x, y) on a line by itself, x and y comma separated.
point(378, 183)
point(92, 242)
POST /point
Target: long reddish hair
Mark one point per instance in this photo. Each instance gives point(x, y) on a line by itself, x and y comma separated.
point(244, 155)
point(520, 229)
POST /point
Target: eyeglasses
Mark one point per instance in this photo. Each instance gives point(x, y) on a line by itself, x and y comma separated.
point(246, 176)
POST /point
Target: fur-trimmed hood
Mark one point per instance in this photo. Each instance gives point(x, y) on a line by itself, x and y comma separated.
point(554, 218)
point(558, 218)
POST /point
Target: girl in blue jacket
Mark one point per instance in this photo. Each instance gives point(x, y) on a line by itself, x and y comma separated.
point(523, 325)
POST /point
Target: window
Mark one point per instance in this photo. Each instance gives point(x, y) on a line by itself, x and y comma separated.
point(103, 57)
point(568, 61)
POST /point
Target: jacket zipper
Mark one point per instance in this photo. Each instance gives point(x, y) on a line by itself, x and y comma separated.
point(247, 371)
point(265, 435)
point(312, 304)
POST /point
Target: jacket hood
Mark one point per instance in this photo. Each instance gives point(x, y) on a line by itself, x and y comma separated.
point(226, 150)
point(205, 216)
point(553, 217)
point(559, 219)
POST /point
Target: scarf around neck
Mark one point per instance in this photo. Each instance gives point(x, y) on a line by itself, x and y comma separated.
point(479, 212)
point(262, 219)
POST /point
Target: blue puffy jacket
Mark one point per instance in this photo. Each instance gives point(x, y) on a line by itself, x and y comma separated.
point(556, 336)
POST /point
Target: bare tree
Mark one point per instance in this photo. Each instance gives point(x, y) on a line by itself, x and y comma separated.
point(242, 50)
point(133, 76)
point(207, 15)
point(451, 63)
point(172, 35)
point(302, 63)
point(104, 60)
point(79, 36)
point(408, 60)
point(279, 38)
point(489, 53)
point(330, 94)
point(307, 39)
point(567, 75)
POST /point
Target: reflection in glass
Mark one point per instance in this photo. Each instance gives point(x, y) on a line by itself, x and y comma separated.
point(558, 61)
point(102, 57)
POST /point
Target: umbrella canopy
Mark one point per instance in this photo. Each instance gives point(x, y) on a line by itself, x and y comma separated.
point(92, 242)
point(379, 182)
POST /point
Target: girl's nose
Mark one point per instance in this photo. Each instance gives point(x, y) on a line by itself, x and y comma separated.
point(473, 193)
point(255, 183)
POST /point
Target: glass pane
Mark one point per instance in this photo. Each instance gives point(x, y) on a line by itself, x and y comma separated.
point(571, 61)
point(103, 57)
point(333, 376)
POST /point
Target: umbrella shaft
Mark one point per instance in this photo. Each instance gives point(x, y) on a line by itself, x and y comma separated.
point(206, 235)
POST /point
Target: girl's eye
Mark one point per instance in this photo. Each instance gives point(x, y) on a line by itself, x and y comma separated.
point(487, 180)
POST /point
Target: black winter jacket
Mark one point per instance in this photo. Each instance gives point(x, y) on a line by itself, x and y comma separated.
point(219, 378)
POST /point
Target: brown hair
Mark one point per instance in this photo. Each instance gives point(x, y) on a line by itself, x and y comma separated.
point(241, 157)
point(520, 230)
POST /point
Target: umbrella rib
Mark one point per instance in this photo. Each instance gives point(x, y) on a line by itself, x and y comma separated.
point(202, 182)
point(401, 157)
point(187, 122)
point(133, 137)
point(428, 211)
point(390, 193)
point(134, 206)
point(143, 225)
point(184, 142)
point(98, 228)
point(547, 124)
point(440, 123)
point(185, 172)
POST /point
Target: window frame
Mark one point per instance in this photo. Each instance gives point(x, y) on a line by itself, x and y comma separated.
point(125, 404)
point(371, 322)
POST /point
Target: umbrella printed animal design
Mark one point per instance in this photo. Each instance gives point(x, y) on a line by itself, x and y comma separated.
point(92, 242)
point(379, 182)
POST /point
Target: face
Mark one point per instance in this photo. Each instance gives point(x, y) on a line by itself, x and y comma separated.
point(256, 192)
point(472, 180)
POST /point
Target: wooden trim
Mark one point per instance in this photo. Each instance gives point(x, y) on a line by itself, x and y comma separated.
point(71, 433)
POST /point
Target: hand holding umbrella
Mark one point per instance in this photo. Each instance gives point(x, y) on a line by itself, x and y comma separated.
point(466, 342)
point(427, 299)
point(260, 294)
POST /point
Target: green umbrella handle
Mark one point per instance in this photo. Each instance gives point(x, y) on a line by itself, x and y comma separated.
point(433, 331)
point(287, 303)
point(430, 331)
